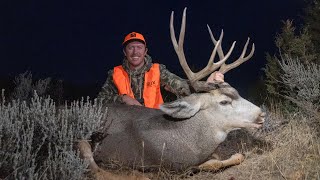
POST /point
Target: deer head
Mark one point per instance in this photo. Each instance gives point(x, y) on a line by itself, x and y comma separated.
point(221, 99)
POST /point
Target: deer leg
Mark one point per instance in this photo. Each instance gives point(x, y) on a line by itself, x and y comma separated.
point(98, 173)
point(86, 154)
point(214, 164)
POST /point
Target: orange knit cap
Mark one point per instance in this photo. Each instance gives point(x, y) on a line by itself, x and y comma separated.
point(133, 36)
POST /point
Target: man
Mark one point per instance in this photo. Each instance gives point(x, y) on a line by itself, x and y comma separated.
point(137, 81)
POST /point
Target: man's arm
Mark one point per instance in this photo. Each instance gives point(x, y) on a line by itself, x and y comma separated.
point(173, 83)
point(109, 92)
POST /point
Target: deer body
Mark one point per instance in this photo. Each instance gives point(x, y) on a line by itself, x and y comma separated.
point(147, 137)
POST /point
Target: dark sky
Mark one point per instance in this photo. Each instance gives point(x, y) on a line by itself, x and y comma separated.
point(80, 40)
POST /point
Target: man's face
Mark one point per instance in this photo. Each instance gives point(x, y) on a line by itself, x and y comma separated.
point(135, 52)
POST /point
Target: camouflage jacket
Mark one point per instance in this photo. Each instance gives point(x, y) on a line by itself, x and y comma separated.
point(170, 81)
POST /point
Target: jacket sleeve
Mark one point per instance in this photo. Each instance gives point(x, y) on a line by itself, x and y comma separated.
point(109, 92)
point(173, 83)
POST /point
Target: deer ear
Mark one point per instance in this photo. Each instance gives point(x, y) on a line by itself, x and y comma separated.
point(181, 108)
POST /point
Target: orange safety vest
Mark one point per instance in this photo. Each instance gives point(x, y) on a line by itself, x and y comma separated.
point(151, 90)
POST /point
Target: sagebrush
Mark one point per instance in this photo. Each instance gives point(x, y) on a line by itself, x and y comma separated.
point(37, 138)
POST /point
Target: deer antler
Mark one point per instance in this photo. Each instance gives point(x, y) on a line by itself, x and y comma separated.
point(178, 46)
point(226, 67)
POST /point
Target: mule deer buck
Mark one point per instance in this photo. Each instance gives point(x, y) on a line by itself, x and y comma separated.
point(185, 132)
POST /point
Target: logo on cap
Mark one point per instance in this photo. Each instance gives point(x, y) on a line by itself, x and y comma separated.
point(133, 34)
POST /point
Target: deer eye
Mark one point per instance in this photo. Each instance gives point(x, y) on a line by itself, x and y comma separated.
point(225, 102)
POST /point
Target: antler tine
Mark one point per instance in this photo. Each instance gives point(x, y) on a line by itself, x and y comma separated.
point(220, 52)
point(211, 66)
point(226, 67)
point(179, 46)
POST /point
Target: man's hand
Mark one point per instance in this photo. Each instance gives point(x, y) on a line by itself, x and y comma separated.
point(216, 77)
point(130, 101)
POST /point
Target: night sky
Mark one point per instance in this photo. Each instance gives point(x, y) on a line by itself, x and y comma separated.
point(80, 40)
